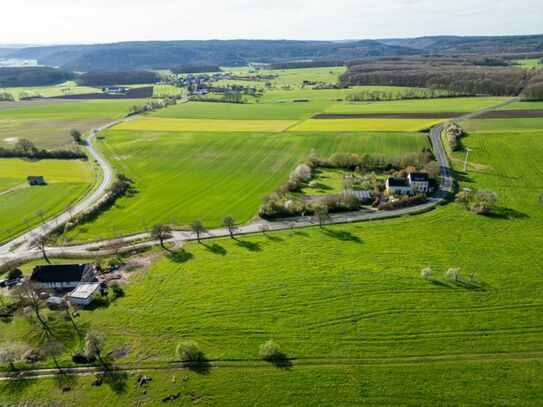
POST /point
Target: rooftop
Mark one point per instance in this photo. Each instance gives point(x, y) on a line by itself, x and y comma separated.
point(59, 273)
point(418, 176)
point(84, 290)
point(397, 182)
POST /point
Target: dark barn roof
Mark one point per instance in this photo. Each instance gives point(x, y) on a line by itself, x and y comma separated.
point(397, 182)
point(418, 176)
point(36, 178)
point(60, 273)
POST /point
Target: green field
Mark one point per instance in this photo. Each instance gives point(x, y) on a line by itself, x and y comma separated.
point(524, 106)
point(67, 181)
point(66, 88)
point(207, 175)
point(504, 125)
point(365, 125)
point(348, 303)
point(48, 124)
point(531, 63)
point(457, 104)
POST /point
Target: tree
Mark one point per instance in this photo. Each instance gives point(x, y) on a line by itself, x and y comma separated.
point(15, 273)
point(162, 232)
point(41, 214)
point(188, 351)
point(11, 352)
point(198, 228)
point(264, 226)
point(483, 201)
point(53, 348)
point(230, 223)
point(270, 351)
point(321, 214)
point(426, 273)
point(25, 146)
point(76, 136)
point(28, 299)
point(93, 346)
point(40, 242)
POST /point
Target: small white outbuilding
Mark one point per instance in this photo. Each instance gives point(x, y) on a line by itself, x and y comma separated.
point(83, 294)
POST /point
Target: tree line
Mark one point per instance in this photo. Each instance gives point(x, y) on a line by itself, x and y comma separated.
point(106, 78)
point(24, 148)
point(195, 68)
point(32, 76)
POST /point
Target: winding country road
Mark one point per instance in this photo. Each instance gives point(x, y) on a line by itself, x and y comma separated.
point(20, 249)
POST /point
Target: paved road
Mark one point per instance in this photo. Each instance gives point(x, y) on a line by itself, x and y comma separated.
point(19, 248)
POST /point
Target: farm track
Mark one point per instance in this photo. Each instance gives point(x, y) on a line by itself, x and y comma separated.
point(292, 363)
point(20, 249)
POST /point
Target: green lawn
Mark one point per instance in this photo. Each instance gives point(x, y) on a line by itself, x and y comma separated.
point(67, 181)
point(350, 296)
point(189, 175)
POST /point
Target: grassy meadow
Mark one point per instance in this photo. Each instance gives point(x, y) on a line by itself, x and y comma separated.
point(66, 88)
point(67, 181)
point(348, 304)
point(351, 125)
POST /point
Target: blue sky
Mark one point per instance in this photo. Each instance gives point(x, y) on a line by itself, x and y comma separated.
point(90, 21)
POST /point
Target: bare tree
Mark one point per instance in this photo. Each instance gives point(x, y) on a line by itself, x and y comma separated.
point(93, 346)
point(264, 226)
point(198, 228)
point(28, 299)
point(41, 214)
point(321, 214)
point(40, 242)
point(11, 352)
point(162, 232)
point(53, 348)
point(229, 223)
point(76, 136)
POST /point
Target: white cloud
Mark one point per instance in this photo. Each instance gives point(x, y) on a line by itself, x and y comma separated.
point(70, 21)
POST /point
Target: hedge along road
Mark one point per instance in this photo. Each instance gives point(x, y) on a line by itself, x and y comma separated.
point(20, 248)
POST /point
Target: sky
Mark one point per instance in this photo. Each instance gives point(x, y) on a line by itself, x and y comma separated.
point(100, 21)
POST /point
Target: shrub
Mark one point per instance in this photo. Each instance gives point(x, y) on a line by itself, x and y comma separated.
point(32, 355)
point(188, 351)
point(452, 274)
point(80, 356)
point(270, 351)
point(426, 273)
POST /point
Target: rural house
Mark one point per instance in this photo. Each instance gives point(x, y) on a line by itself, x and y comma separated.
point(62, 276)
point(35, 180)
point(398, 186)
point(419, 181)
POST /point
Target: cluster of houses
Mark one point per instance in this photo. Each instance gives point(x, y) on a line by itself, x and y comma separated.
point(202, 84)
point(78, 283)
point(414, 183)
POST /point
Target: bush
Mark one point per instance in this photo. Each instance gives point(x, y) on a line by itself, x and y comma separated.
point(270, 351)
point(116, 289)
point(426, 273)
point(188, 351)
point(6, 97)
point(32, 355)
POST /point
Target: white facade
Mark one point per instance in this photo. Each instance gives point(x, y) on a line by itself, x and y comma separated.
point(419, 185)
point(56, 285)
point(398, 189)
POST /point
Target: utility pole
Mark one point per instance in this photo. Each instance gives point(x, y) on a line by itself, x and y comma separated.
point(466, 159)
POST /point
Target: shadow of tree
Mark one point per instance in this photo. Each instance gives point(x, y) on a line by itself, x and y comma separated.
point(342, 235)
point(17, 384)
point(506, 213)
point(200, 365)
point(180, 256)
point(468, 285)
point(64, 381)
point(280, 360)
point(251, 246)
point(300, 233)
point(115, 378)
point(215, 249)
point(461, 176)
point(274, 238)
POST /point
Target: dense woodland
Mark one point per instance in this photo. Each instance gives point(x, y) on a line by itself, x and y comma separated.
point(195, 68)
point(461, 75)
point(32, 76)
point(105, 78)
point(534, 88)
point(306, 64)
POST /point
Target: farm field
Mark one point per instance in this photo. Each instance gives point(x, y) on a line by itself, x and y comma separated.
point(339, 301)
point(66, 88)
point(530, 63)
point(186, 175)
point(168, 124)
point(457, 104)
point(48, 125)
point(524, 106)
point(350, 125)
point(505, 125)
point(67, 181)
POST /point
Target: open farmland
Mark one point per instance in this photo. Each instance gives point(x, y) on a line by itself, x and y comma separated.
point(184, 175)
point(47, 125)
point(67, 181)
point(66, 88)
point(365, 125)
point(361, 325)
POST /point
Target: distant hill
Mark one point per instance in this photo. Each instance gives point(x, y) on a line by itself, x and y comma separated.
point(165, 54)
point(472, 45)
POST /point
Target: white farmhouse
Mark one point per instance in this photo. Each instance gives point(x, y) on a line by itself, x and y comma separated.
point(419, 181)
point(398, 186)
